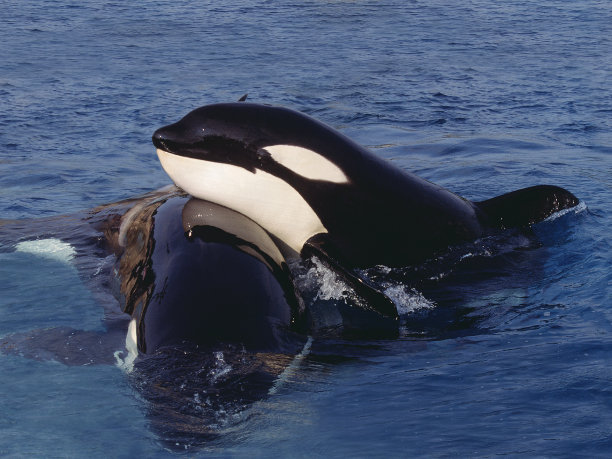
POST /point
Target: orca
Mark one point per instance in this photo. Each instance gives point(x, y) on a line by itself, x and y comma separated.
point(184, 271)
point(318, 192)
point(193, 271)
point(206, 305)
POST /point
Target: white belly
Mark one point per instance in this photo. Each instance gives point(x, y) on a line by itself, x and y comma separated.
point(269, 201)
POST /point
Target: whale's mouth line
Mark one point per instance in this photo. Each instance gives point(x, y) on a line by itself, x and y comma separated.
point(214, 148)
point(166, 146)
point(162, 150)
point(159, 142)
point(175, 148)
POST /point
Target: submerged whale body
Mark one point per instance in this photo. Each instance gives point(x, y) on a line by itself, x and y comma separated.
point(318, 192)
point(193, 271)
point(205, 298)
point(184, 271)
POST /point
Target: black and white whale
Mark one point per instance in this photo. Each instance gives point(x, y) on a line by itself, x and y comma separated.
point(206, 304)
point(183, 270)
point(193, 271)
point(203, 287)
point(317, 191)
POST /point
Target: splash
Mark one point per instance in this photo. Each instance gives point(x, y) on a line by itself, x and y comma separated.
point(220, 369)
point(321, 282)
point(578, 208)
point(324, 284)
point(408, 300)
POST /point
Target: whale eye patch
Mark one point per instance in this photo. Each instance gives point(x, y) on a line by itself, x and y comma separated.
point(307, 163)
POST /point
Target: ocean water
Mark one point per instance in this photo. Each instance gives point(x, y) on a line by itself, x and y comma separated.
point(511, 358)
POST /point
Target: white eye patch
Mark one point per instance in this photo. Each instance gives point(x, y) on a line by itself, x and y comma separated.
point(307, 163)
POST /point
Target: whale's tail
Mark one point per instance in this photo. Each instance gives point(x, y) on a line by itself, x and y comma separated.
point(526, 206)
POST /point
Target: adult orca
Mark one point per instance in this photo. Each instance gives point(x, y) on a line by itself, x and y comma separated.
point(206, 305)
point(197, 272)
point(185, 270)
point(317, 191)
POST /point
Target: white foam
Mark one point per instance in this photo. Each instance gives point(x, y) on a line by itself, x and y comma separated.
point(52, 248)
point(220, 369)
point(408, 300)
point(290, 370)
point(580, 207)
point(329, 286)
point(320, 279)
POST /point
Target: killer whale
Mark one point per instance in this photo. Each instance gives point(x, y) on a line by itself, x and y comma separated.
point(183, 270)
point(317, 191)
point(204, 303)
point(195, 271)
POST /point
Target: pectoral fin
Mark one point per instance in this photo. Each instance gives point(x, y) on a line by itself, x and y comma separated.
point(368, 297)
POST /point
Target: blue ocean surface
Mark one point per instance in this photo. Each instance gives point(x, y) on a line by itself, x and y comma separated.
point(480, 97)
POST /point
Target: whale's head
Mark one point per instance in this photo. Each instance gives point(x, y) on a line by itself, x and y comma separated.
point(225, 133)
point(250, 136)
point(248, 157)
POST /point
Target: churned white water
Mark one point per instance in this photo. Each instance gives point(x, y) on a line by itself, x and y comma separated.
point(580, 207)
point(55, 249)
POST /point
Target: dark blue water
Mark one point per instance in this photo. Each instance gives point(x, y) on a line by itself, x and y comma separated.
point(480, 97)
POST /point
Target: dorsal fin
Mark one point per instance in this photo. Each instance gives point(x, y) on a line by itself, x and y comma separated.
point(526, 206)
point(243, 98)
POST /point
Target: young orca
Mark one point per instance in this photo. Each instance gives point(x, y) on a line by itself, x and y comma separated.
point(317, 191)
